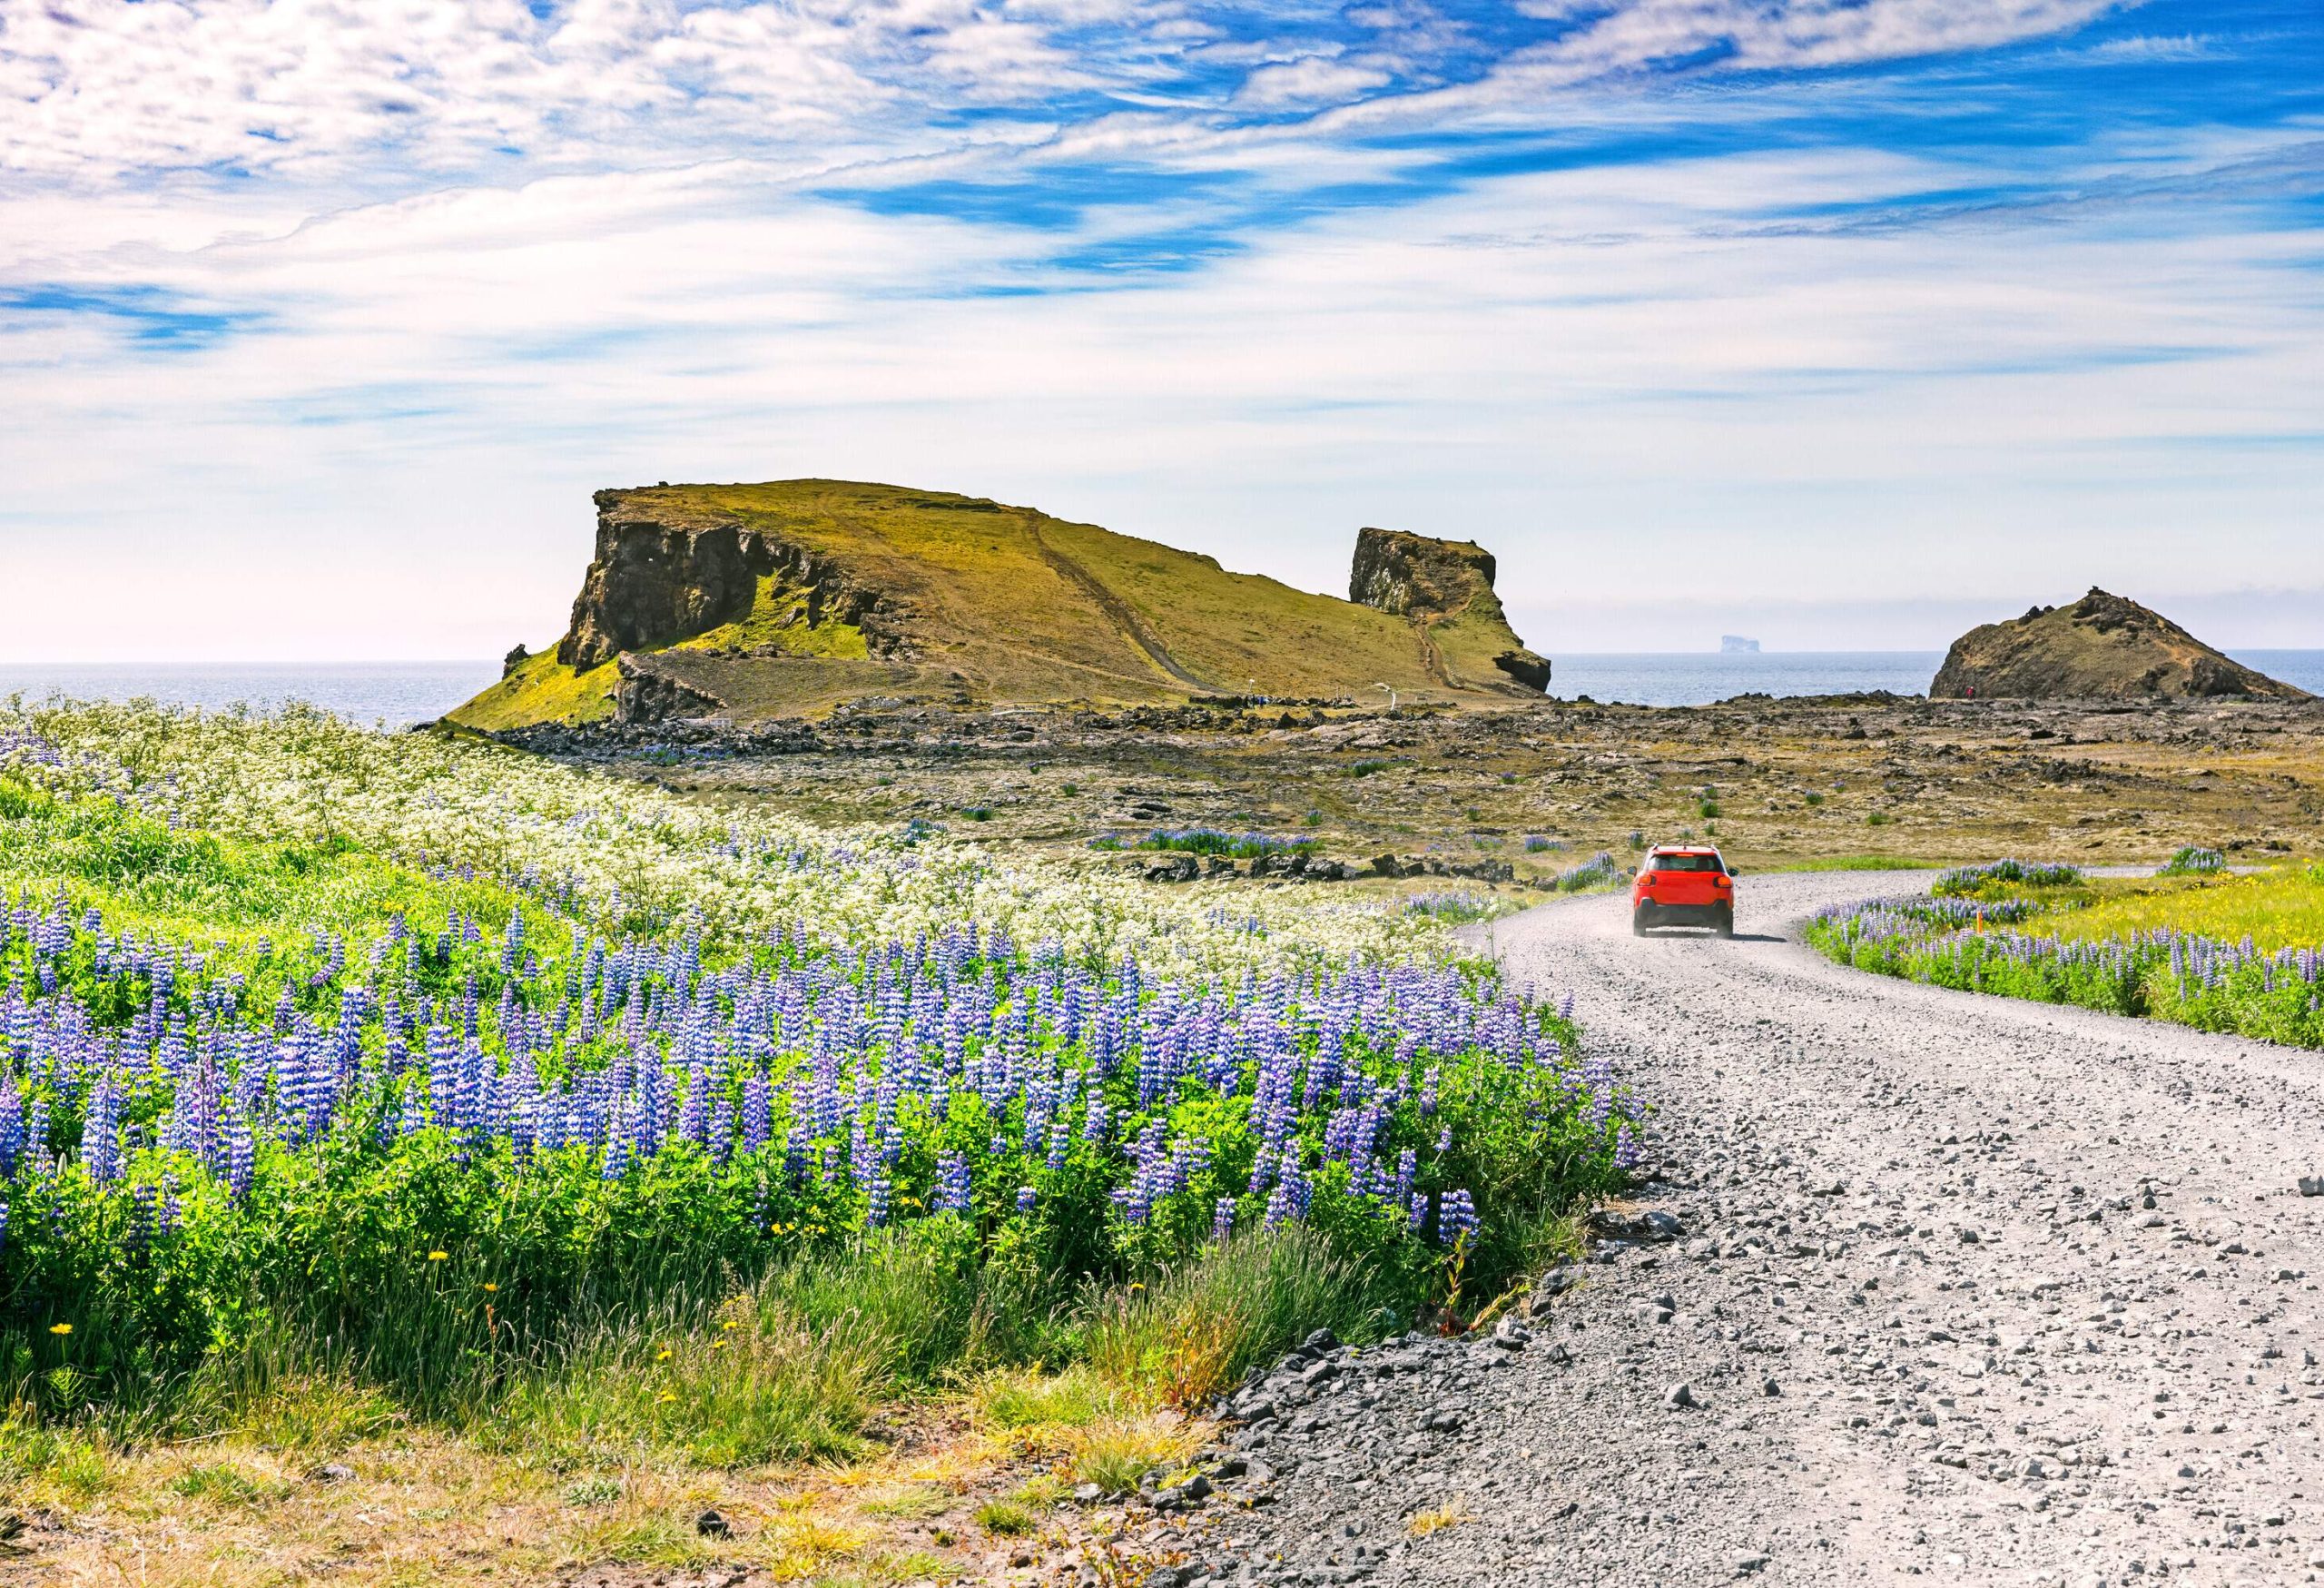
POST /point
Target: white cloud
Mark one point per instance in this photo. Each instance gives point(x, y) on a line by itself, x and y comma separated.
point(2152, 47)
point(92, 89)
point(1312, 80)
point(1774, 34)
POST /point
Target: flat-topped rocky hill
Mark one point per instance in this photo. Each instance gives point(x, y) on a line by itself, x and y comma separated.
point(2102, 647)
point(750, 603)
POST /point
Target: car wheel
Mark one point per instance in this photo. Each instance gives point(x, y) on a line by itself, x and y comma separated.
point(1638, 923)
point(1725, 925)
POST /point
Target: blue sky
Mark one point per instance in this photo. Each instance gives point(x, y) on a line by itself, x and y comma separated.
point(320, 320)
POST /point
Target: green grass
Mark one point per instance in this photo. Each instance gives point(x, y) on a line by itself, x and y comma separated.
point(541, 690)
point(1858, 862)
point(1200, 1325)
point(1017, 1398)
point(1004, 1519)
point(223, 1485)
point(2277, 908)
point(2221, 954)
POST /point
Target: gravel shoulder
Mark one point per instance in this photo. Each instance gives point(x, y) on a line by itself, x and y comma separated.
point(1963, 1288)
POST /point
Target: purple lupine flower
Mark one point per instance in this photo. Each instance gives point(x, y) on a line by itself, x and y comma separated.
point(1456, 1217)
point(952, 1190)
point(1025, 1199)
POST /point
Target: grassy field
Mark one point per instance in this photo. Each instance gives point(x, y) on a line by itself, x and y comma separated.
point(557, 1158)
point(2279, 908)
point(2224, 952)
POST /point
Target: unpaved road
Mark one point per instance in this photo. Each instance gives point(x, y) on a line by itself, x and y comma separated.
point(1931, 1326)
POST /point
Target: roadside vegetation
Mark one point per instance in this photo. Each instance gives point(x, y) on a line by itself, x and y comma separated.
point(2193, 944)
point(356, 1089)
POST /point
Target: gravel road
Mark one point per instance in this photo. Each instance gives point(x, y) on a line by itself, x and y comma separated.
point(1964, 1288)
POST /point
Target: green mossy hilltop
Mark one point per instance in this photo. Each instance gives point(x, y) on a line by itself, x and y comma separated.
point(787, 599)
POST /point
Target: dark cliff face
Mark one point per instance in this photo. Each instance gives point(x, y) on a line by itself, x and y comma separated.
point(653, 582)
point(1413, 575)
point(1431, 581)
point(654, 585)
point(2103, 646)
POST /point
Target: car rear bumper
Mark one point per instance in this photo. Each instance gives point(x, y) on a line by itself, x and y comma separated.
point(1654, 914)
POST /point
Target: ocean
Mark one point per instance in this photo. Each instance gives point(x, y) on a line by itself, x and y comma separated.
point(1698, 678)
point(395, 695)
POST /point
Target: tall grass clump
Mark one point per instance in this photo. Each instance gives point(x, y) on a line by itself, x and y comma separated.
point(1199, 1326)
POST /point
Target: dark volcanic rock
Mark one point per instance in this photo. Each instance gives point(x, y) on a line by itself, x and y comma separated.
point(1412, 575)
point(655, 583)
point(2103, 646)
point(1436, 582)
point(658, 579)
point(649, 690)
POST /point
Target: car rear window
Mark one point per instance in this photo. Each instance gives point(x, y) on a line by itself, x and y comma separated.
point(1688, 863)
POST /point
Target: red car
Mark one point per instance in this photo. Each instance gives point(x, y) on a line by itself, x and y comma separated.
point(1683, 884)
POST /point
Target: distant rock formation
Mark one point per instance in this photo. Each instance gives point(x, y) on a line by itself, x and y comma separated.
point(2102, 647)
point(1445, 587)
point(748, 602)
point(1735, 645)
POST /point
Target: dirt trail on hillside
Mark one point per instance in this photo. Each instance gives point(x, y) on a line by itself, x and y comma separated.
point(1968, 1289)
point(1133, 627)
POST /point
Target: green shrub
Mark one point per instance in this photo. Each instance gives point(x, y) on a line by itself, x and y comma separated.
point(1004, 1519)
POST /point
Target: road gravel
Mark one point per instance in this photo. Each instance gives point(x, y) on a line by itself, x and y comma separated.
point(1962, 1290)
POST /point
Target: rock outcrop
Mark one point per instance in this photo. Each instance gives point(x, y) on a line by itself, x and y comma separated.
point(2102, 647)
point(663, 574)
point(1415, 576)
point(749, 603)
point(1438, 583)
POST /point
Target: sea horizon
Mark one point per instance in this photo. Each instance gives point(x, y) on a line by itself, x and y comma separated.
point(399, 694)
